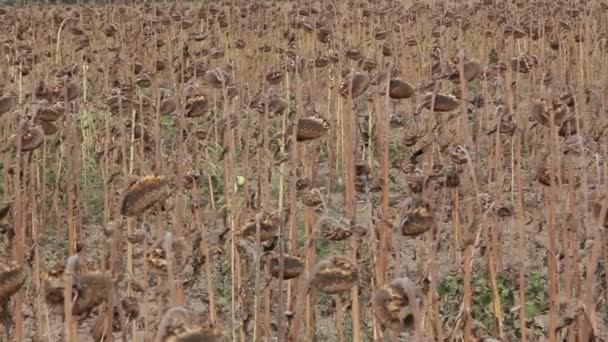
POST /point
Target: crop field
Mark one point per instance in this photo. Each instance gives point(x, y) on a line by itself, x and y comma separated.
point(353, 170)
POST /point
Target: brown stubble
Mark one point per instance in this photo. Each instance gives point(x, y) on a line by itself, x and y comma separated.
point(130, 221)
point(264, 173)
point(589, 66)
point(20, 238)
point(551, 216)
point(495, 175)
point(178, 215)
point(228, 143)
point(349, 134)
point(199, 211)
point(70, 273)
point(291, 209)
point(305, 154)
point(383, 227)
point(37, 182)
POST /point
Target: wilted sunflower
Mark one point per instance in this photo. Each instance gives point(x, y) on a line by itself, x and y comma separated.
point(302, 183)
point(310, 128)
point(5, 209)
point(334, 275)
point(92, 289)
point(32, 137)
point(269, 226)
point(197, 107)
point(194, 334)
point(292, 266)
point(70, 91)
point(524, 63)
point(53, 286)
point(332, 229)
point(543, 176)
point(417, 217)
point(596, 210)
point(312, 198)
point(399, 89)
point(179, 325)
point(12, 278)
point(541, 112)
point(274, 77)
point(167, 106)
point(355, 83)
point(131, 311)
point(217, 78)
point(458, 154)
point(6, 103)
point(472, 69)
point(443, 102)
point(156, 256)
point(142, 194)
point(392, 304)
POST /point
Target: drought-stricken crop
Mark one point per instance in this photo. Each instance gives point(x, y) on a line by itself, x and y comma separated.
point(361, 170)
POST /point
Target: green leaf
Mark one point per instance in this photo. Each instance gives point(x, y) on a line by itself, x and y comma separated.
point(532, 310)
point(166, 119)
